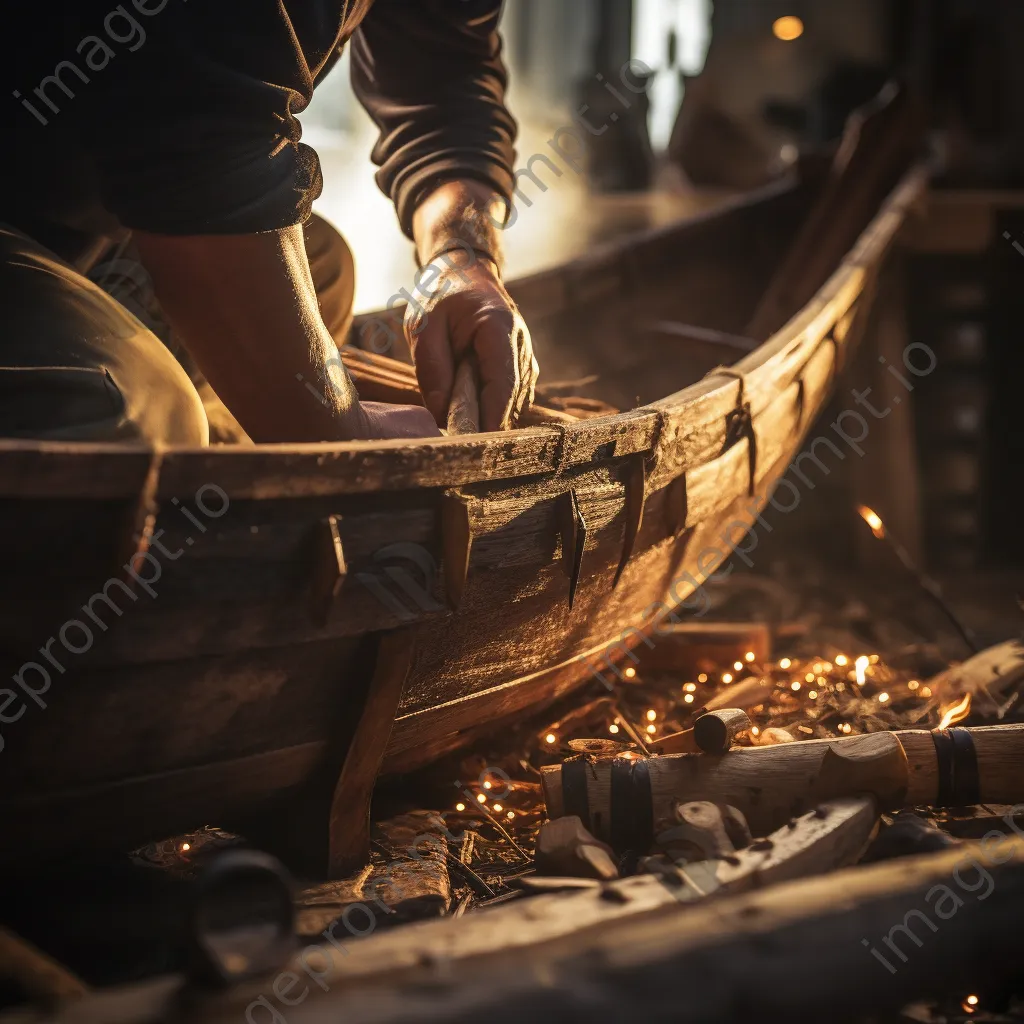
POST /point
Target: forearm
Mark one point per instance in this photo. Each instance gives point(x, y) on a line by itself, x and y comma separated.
point(246, 310)
point(458, 214)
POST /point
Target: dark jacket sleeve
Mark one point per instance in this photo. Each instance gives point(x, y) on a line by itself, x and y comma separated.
point(430, 74)
point(196, 133)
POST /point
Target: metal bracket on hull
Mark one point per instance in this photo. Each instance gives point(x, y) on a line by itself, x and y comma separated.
point(677, 505)
point(739, 423)
point(142, 523)
point(456, 545)
point(329, 569)
point(573, 528)
point(636, 498)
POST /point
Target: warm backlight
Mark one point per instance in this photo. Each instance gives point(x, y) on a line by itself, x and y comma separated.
point(788, 28)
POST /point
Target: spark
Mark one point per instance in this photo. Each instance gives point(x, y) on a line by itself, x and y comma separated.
point(883, 697)
point(481, 798)
point(185, 847)
point(550, 738)
point(460, 807)
point(630, 673)
point(727, 677)
point(688, 698)
point(652, 715)
point(738, 665)
point(860, 667)
point(873, 520)
point(510, 815)
point(613, 728)
point(956, 712)
point(788, 28)
point(749, 656)
point(785, 663)
point(487, 785)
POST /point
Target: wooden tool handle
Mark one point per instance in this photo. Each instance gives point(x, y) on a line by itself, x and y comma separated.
point(464, 408)
point(772, 784)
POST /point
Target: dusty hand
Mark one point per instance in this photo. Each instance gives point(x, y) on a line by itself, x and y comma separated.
point(467, 309)
point(378, 421)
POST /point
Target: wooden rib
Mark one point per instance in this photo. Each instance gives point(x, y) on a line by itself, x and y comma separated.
point(457, 545)
point(636, 496)
point(329, 569)
point(573, 529)
point(349, 821)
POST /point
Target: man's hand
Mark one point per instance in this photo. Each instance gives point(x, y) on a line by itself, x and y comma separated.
point(466, 311)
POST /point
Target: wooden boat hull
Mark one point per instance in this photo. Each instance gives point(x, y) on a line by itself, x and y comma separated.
point(220, 686)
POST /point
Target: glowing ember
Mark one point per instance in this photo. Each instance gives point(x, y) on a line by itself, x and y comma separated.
point(969, 1004)
point(550, 738)
point(613, 728)
point(860, 667)
point(956, 712)
point(702, 678)
point(873, 520)
point(185, 847)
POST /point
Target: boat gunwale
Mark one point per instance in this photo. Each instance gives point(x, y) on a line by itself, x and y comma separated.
point(296, 471)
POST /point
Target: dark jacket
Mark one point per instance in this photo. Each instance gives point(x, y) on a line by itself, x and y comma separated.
point(179, 116)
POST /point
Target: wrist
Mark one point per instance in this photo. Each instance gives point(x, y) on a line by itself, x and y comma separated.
point(459, 216)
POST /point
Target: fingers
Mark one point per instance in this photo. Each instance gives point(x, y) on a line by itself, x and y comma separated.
point(529, 371)
point(494, 344)
point(435, 365)
point(384, 421)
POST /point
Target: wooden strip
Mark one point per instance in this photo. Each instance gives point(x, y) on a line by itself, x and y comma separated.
point(349, 824)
